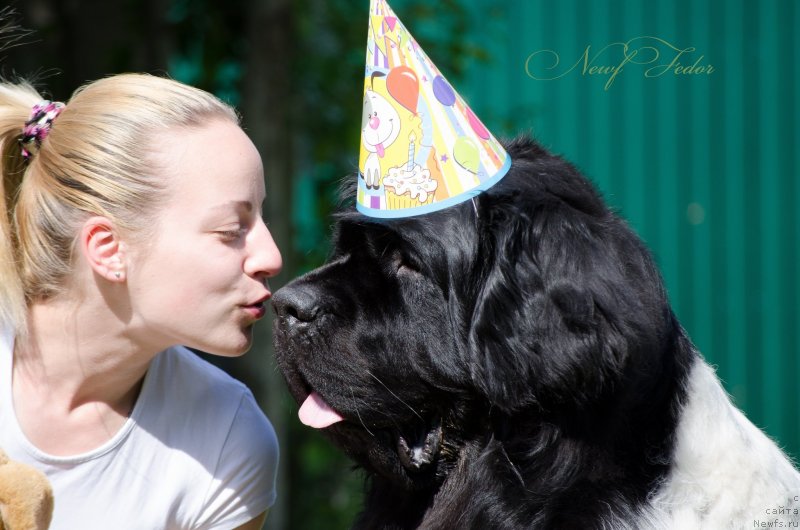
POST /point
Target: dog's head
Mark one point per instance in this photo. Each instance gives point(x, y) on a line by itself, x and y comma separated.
point(533, 300)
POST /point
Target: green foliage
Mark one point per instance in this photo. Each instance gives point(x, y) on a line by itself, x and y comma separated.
point(326, 490)
point(210, 41)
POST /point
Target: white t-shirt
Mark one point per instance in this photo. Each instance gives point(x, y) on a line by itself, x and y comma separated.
point(196, 453)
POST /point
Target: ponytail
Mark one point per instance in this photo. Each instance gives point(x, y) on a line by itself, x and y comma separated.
point(16, 102)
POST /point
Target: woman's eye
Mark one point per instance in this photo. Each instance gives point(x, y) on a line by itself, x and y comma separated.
point(231, 235)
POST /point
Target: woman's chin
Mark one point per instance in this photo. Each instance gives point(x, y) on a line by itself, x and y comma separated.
point(234, 345)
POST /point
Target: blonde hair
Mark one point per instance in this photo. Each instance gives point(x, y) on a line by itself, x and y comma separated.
point(94, 161)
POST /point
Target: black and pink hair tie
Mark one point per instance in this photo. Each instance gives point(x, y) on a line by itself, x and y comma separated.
point(38, 126)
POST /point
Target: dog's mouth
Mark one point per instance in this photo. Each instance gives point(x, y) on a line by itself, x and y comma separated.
point(417, 448)
point(419, 451)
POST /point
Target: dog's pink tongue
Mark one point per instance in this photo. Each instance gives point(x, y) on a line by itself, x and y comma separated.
point(314, 412)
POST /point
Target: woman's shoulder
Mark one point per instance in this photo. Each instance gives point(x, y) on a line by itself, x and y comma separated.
point(211, 431)
point(182, 387)
point(184, 396)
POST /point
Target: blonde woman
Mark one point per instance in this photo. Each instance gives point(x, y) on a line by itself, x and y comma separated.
point(131, 227)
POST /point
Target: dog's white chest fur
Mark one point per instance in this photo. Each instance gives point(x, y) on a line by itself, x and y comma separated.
point(726, 473)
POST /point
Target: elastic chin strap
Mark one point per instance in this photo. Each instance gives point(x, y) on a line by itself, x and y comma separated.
point(475, 206)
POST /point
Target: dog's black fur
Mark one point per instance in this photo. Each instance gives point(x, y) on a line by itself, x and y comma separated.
point(510, 362)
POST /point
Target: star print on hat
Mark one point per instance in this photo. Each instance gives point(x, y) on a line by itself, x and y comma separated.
point(422, 148)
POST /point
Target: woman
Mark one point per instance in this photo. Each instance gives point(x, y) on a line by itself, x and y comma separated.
point(131, 227)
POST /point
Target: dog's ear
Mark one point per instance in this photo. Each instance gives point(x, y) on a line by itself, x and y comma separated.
point(568, 292)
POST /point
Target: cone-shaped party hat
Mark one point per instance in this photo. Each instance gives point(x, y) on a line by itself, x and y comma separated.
point(422, 148)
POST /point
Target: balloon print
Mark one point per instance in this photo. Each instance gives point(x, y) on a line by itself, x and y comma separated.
point(403, 85)
point(443, 91)
point(465, 152)
point(476, 125)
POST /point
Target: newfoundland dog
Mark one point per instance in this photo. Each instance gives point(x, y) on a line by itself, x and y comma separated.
point(513, 363)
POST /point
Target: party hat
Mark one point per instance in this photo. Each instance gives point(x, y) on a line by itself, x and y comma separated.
point(422, 148)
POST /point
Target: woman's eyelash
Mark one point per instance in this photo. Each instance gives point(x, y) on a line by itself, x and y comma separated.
point(240, 231)
point(232, 234)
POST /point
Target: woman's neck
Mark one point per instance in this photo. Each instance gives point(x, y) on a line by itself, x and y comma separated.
point(76, 376)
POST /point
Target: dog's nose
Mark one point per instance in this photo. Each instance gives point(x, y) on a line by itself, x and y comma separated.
point(295, 302)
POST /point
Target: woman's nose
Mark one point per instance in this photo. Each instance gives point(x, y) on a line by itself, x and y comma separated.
point(263, 257)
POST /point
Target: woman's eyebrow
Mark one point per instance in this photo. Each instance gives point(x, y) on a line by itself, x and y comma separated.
point(235, 205)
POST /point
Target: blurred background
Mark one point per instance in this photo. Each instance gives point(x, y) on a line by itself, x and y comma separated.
point(693, 140)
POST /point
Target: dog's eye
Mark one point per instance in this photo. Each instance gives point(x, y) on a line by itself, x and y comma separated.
point(404, 265)
point(405, 268)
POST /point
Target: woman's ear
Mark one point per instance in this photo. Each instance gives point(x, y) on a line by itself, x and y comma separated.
point(103, 248)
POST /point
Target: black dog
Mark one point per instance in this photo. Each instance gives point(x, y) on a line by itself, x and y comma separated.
point(513, 362)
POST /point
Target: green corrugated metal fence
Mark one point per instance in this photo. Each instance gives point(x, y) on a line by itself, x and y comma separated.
point(704, 166)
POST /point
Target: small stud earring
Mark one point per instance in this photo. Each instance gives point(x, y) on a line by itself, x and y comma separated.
point(118, 274)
